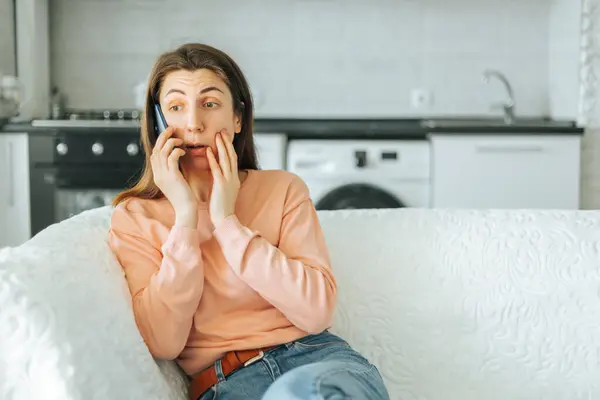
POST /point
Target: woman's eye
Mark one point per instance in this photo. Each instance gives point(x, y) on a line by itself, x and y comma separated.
point(175, 108)
point(210, 104)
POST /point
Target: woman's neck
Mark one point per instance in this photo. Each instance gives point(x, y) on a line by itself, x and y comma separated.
point(201, 184)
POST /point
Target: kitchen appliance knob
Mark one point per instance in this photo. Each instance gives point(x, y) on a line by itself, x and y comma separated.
point(62, 149)
point(97, 148)
point(133, 149)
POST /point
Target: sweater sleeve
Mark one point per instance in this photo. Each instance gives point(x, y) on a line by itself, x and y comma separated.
point(294, 276)
point(165, 279)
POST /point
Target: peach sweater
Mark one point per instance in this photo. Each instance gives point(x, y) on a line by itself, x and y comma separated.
point(261, 277)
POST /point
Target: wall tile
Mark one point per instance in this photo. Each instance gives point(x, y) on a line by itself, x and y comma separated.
point(315, 58)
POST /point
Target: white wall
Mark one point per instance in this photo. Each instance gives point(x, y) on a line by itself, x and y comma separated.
point(7, 38)
point(589, 103)
point(308, 58)
point(564, 58)
point(33, 67)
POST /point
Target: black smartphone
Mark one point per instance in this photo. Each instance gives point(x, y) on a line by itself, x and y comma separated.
point(160, 124)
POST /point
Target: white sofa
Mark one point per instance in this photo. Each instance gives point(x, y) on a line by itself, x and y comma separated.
point(450, 305)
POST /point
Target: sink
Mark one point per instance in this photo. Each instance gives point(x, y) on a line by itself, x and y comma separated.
point(487, 122)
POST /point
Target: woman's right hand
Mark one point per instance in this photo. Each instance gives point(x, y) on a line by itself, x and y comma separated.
point(169, 179)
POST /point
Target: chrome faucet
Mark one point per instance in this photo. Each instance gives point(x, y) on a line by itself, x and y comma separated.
point(509, 106)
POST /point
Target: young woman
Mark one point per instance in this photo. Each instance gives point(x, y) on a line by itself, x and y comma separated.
point(227, 265)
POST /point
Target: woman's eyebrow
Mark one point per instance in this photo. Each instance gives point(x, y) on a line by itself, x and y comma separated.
point(210, 89)
point(203, 91)
point(174, 91)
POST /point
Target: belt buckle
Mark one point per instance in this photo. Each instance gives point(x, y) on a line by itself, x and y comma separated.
point(254, 359)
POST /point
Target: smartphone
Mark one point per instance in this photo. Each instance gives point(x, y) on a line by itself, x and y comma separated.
point(160, 124)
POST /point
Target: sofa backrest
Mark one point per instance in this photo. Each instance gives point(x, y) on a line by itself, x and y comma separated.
point(449, 304)
point(471, 305)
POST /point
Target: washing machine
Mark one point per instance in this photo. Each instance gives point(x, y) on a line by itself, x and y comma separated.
point(363, 174)
point(271, 150)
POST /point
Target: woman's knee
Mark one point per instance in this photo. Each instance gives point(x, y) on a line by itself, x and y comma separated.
point(329, 380)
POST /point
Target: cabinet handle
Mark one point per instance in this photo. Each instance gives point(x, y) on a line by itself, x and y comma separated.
point(11, 175)
point(509, 149)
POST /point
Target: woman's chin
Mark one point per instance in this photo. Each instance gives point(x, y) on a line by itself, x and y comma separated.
point(197, 164)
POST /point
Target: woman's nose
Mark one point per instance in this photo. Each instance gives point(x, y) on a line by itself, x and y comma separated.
point(195, 122)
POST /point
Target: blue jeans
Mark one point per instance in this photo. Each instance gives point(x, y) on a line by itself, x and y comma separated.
point(318, 367)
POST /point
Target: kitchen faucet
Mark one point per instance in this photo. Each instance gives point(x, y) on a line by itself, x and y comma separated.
point(509, 106)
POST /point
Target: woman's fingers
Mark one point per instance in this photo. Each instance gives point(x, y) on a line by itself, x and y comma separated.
point(223, 156)
point(214, 165)
point(233, 158)
point(173, 159)
point(167, 150)
point(170, 145)
point(162, 138)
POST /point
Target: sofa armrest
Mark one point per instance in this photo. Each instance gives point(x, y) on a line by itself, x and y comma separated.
point(67, 329)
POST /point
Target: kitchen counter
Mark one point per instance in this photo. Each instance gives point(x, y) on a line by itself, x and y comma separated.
point(406, 129)
point(343, 128)
point(24, 127)
point(410, 128)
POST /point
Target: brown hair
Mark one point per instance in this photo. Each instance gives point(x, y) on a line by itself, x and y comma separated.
point(191, 57)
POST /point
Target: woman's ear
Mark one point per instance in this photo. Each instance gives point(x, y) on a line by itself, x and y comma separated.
point(238, 123)
point(238, 118)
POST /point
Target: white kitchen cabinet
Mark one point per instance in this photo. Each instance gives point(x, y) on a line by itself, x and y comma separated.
point(271, 149)
point(506, 171)
point(15, 220)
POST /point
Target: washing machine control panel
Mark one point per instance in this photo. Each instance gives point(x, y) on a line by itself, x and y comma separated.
point(397, 158)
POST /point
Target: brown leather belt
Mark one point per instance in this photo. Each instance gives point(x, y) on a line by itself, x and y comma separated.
point(231, 361)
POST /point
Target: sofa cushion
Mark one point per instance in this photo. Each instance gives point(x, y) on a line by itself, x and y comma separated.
point(66, 325)
point(449, 304)
point(471, 304)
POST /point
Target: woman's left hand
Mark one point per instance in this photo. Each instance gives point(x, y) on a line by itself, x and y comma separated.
point(226, 181)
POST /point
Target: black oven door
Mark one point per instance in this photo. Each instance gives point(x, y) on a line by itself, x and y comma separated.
point(60, 193)
point(62, 186)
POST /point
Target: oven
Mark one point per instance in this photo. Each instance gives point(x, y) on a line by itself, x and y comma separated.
point(78, 169)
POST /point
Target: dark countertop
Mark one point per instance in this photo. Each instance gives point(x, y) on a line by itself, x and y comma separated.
point(410, 128)
point(405, 129)
point(38, 130)
point(343, 128)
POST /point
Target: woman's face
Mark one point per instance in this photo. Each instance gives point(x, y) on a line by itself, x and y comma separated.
point(198, 104)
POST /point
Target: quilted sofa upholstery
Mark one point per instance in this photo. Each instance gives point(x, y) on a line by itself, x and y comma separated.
point(449, 304)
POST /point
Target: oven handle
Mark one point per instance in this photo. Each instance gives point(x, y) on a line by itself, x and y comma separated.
point(49, 172)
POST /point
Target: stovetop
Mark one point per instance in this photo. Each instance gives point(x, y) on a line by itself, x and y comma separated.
point(73, 118)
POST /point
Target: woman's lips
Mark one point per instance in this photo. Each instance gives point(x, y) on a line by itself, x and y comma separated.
point(196, 151)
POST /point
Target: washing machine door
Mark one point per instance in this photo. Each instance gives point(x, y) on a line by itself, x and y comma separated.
point(358, 196)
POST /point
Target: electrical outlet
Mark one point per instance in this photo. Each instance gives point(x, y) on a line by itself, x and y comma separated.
point(421, 98)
